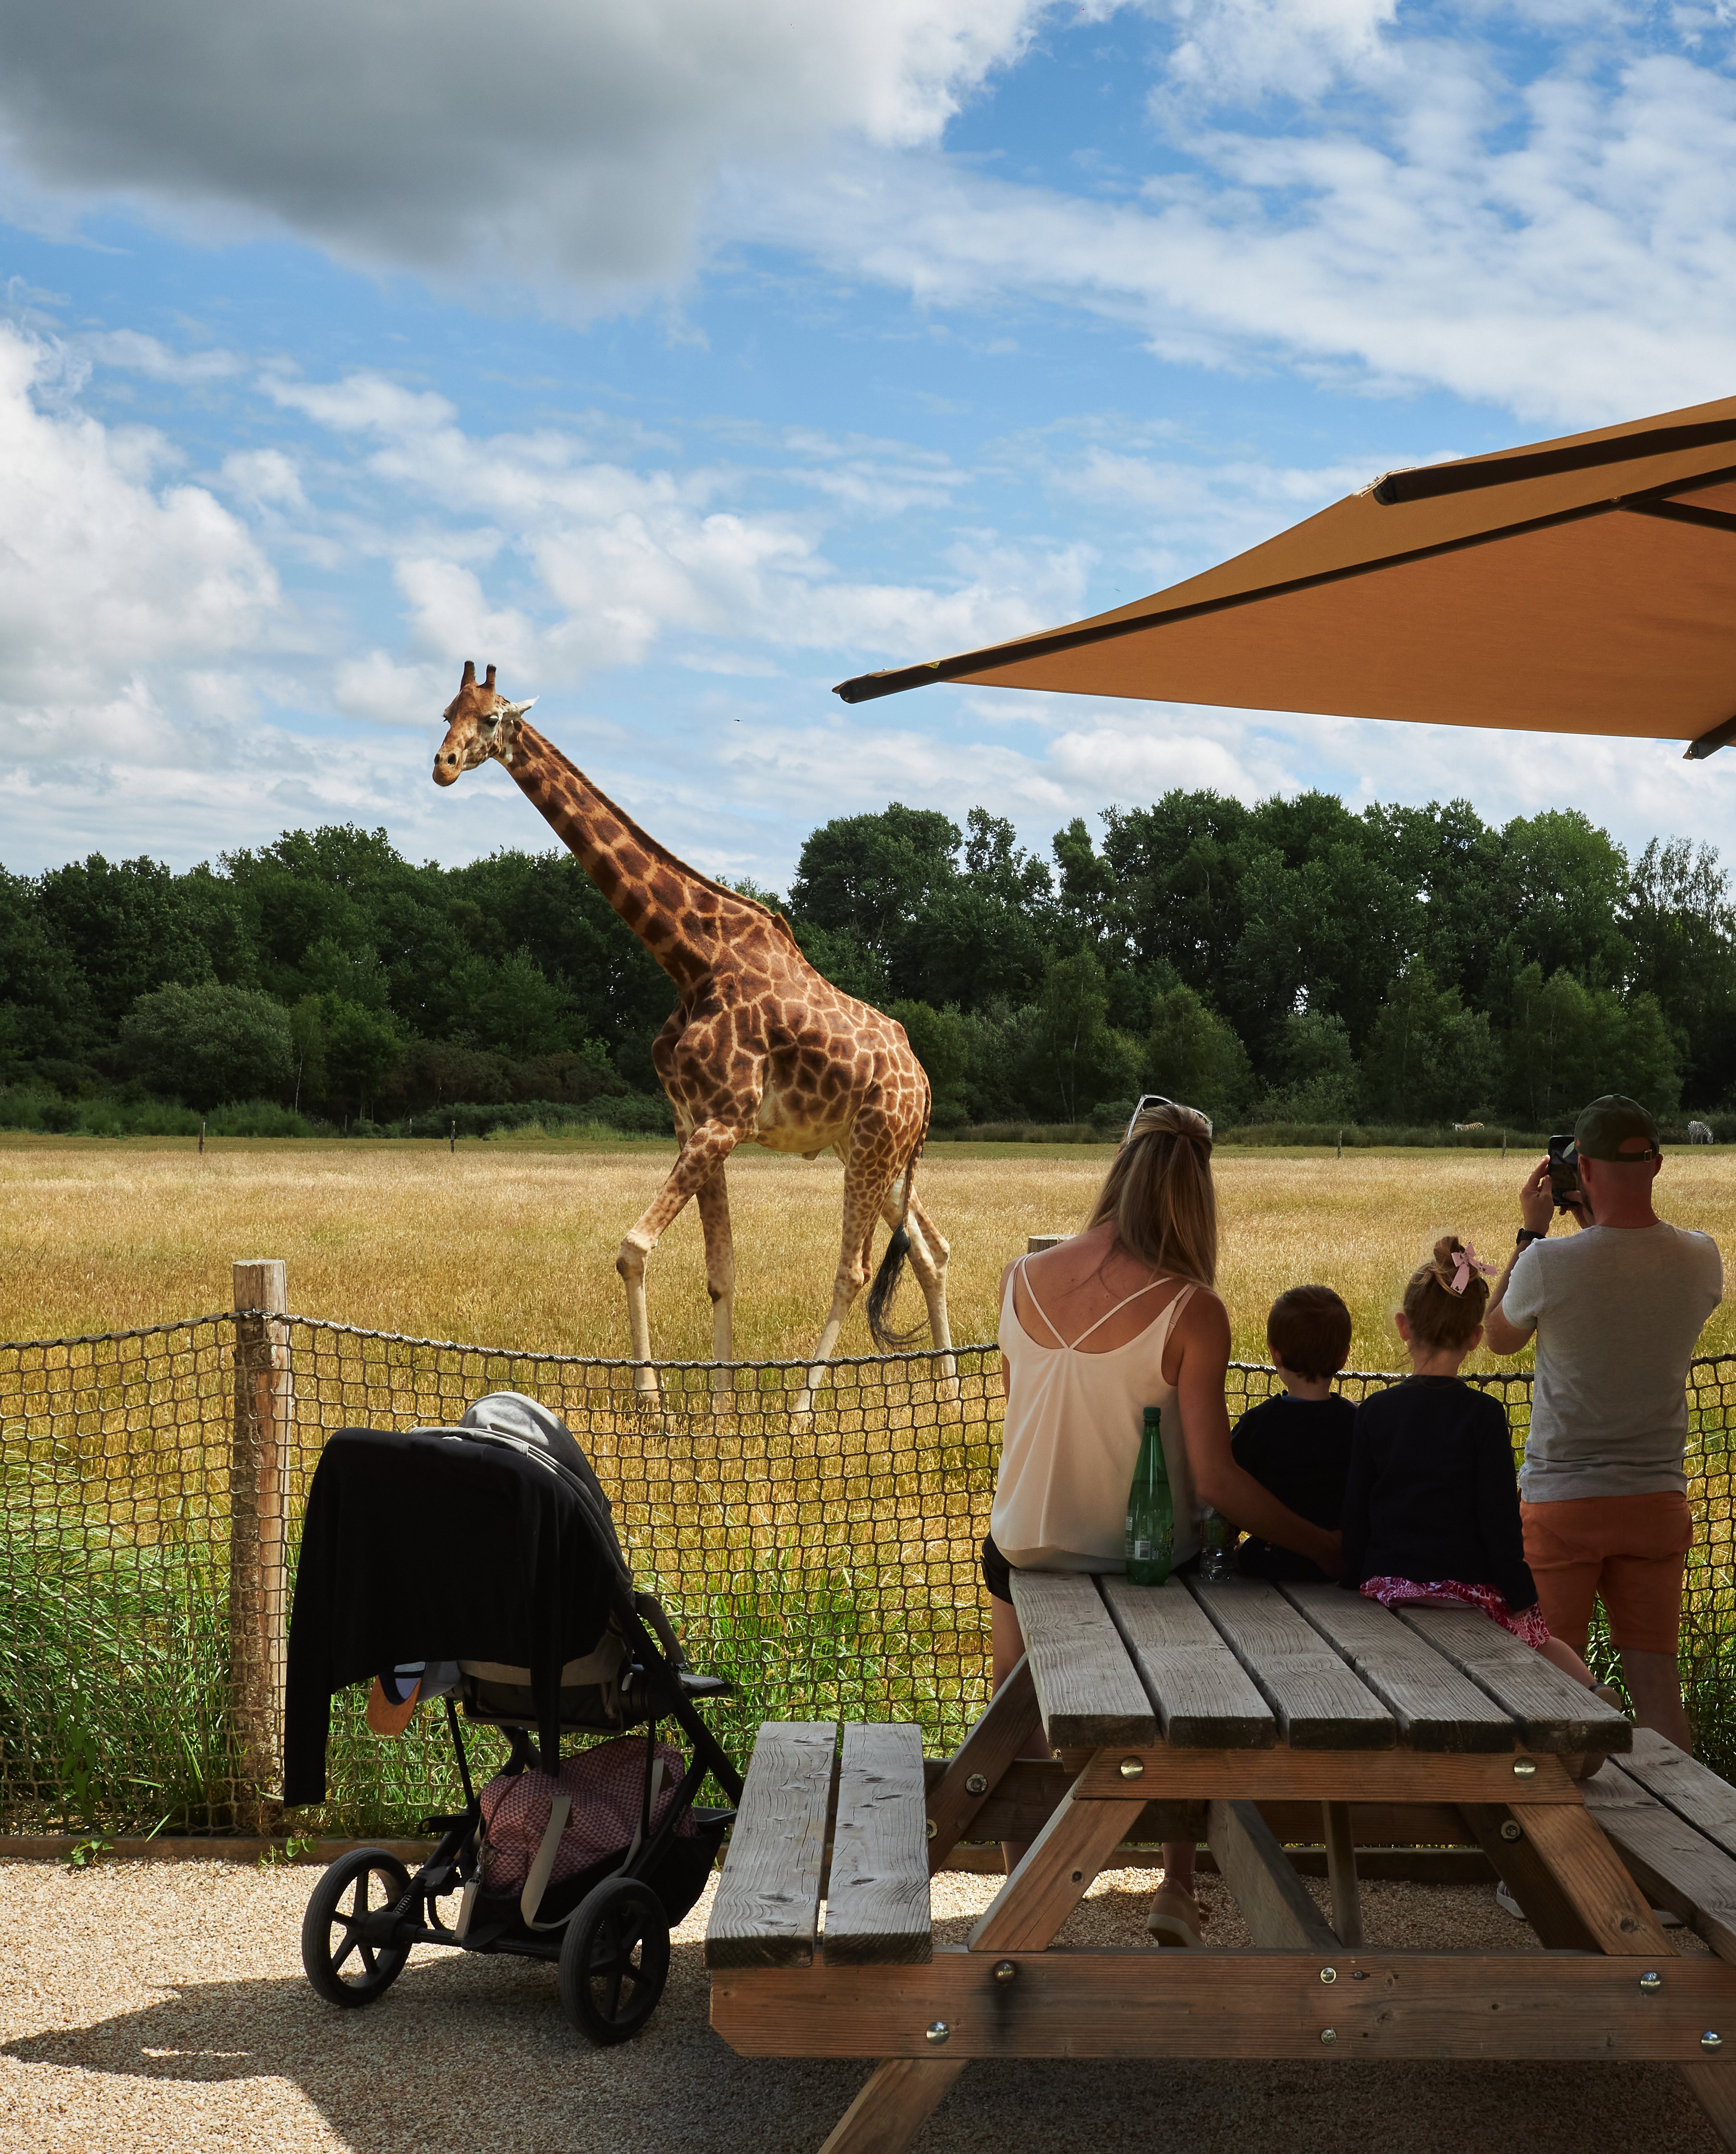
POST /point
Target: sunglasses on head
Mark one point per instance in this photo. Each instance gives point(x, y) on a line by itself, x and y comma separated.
point(1159, 1099)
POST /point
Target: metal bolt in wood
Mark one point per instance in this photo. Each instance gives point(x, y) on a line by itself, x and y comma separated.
point(933, 1828)
point(1513, 1829)
point(938, 2033)
point(1651, 1983)
point(1708, 2040)
point(1524, 1768)
point(1328, 2035)
point(1005, 1971)
point(1131, 1768)
point(1329, 1974)
point(976, 1785)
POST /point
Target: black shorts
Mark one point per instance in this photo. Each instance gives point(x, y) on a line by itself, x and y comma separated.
point(997, 1572)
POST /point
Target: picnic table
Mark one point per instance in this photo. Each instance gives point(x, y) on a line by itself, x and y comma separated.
point(1241, 1714)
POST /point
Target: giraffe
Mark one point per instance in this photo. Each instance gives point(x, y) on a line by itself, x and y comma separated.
point(759, 1049)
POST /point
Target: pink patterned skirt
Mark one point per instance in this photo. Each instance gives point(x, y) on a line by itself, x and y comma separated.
point(1449, 1592)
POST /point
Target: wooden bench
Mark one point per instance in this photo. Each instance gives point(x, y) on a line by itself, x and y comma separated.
point(872, 1877)
point(1232, 1712)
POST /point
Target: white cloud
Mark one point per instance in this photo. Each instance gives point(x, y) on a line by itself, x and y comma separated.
point(568, 143)
point(113, 589)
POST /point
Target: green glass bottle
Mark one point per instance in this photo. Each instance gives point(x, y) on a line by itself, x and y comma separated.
point(1151, 1509)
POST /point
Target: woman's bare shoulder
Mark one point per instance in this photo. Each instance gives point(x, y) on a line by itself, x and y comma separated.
point(1205, 1318)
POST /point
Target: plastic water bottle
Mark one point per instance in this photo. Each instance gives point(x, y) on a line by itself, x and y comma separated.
point(1151, 1509)
point(1217, 1560)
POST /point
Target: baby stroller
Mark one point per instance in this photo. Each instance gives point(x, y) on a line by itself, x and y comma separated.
point(479, 1564)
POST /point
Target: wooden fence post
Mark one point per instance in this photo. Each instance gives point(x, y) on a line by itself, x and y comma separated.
point(258, 1581)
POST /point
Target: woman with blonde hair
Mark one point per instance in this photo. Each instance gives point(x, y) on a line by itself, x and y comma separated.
point(1120, 1317)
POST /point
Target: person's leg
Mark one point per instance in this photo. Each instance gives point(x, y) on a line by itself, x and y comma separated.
point(1642, 1590)
point(1565, 1569)
point(1560, 1655)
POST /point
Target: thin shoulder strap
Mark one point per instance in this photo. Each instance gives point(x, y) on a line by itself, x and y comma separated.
point(1020, 1272)
point(1162, 1280)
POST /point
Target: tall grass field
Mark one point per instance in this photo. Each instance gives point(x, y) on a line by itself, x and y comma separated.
point(513, 1242)
point(829, 1573)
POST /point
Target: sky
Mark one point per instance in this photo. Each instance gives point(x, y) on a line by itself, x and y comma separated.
point(684, 360)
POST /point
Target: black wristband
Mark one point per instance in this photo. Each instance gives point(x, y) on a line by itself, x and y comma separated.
point(1526, 1236)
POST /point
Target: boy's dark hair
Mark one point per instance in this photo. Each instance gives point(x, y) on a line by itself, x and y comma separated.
point(1308, 1330)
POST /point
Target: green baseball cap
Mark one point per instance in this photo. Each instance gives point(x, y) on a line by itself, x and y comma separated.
point(1609, 1123)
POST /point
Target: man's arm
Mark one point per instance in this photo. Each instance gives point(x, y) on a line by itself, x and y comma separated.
point(1537, 1205)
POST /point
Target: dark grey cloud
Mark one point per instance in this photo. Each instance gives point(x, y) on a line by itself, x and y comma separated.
point(569, 142)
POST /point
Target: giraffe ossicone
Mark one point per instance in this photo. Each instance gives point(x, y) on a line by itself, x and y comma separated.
point(760, 1048)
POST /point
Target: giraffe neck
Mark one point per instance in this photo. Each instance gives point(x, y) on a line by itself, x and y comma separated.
point(682, 918)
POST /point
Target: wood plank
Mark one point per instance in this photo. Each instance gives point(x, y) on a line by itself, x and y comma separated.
point(1057, 1870)
point(1002, 1734)
point(1087, 1690)
point(1520, 1863)
point(1550, 1711)
point(900, 2097)
point(1277, 1906)
point(877, 1895)
point(1319, 1701)
point(1692, 1790)
point(1338, 1832)
point(1436, 1705)
point(1324, 1776)
point(1713, 2086)
point(1397, 1866)
point(1583, 2007)
point(1202, 1692)
point(1030, 1788)
point(1589, 1873)
point(1674, 1867)
point(767, 1907)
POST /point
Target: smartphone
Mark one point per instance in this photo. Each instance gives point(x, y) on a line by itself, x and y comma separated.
point(1564, 1171)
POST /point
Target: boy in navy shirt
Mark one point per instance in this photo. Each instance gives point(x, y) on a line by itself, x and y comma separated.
point(1299, 1446)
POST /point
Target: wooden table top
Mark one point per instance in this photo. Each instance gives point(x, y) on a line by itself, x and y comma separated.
point(1242, 1665)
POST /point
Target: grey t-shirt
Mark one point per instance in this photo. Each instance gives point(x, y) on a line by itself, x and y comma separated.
point(1617, 1311)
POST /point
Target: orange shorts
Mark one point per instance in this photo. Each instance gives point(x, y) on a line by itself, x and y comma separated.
point(1631, 1550)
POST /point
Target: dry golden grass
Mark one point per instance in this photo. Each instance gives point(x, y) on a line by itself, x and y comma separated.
point(514, 1243)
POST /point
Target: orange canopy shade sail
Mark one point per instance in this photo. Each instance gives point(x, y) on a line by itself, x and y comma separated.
point(1584, 585)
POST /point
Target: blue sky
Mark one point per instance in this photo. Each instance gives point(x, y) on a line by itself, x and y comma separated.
point(683, 360)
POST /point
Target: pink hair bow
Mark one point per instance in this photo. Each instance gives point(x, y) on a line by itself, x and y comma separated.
point(1465, 1261)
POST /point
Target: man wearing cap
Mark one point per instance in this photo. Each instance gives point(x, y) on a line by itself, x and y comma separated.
point(1617, 1309)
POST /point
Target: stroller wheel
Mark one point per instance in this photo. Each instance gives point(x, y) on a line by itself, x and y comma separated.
point(614, 1960)
point(346, 1964)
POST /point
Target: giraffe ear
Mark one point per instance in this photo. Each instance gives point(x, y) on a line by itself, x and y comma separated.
point(489, 682)
point(469, 680)
point(517, 710)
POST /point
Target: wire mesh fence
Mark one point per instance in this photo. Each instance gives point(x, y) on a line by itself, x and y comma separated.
point(821, 1550)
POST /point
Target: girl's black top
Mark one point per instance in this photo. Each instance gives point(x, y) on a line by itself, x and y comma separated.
point(1433, 1492)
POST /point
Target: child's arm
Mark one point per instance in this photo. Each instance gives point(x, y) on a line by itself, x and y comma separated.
point(1499, 1522)
point(1357, 1489)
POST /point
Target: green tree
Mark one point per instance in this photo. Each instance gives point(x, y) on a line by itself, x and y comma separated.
point(209, 1045)
point(1315, 1069)
point(875, 874)
point(1073, 1057)
point(307, 1041)
point(939, 1042)
point(1429, 1058)
point(1192, 1054)
point(1551, 1053)
point(362, 1050)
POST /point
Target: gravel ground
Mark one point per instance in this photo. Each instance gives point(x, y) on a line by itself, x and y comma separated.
point(150, 2006)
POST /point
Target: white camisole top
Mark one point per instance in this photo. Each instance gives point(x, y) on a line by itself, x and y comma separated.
point(1071, 1440)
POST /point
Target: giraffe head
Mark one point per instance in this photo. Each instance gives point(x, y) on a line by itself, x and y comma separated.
point(479, 722)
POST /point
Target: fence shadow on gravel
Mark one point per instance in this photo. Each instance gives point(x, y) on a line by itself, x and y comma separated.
point(153, 1481)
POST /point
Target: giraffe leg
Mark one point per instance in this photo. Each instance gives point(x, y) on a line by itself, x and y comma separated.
point(864, 1191)
point(713, 1201)
point(928, 1254)
point(703, 1151)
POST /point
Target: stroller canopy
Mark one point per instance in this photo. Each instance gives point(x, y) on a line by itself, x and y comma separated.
point(492, 1541)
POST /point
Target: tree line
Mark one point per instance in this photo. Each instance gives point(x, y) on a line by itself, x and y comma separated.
point(1293, 961)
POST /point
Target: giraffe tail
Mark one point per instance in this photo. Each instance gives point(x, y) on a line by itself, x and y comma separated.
point(891, 1269)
